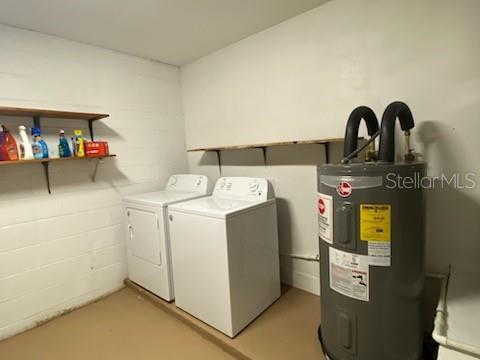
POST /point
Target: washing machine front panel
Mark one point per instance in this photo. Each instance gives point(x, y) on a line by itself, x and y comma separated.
point(200, 268)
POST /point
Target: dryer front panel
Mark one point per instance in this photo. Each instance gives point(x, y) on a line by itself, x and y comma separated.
point(145, 235)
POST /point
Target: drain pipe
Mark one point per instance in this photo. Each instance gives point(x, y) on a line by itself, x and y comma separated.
point(439, 329)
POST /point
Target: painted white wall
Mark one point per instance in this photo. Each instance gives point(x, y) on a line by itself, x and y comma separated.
point(61, 250)
point(301, 79)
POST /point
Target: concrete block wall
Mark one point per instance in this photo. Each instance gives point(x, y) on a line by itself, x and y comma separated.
point(62, 250)
point(301, 79)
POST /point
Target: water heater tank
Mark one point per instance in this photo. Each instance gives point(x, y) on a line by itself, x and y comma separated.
point(372, 244)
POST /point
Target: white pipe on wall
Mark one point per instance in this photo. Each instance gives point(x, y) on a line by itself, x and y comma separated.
point(439, 323)
point(303, 257)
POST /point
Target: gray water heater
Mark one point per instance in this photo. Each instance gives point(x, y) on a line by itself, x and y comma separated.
point(371, 218)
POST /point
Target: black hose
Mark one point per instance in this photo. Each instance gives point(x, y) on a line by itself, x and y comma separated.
point(393, 111)
point(353, 123)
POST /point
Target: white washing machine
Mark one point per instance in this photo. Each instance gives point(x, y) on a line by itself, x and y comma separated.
point(148, 240)
point(225, 253)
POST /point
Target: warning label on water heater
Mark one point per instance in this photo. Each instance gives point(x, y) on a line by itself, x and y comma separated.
point(375, 222)
point(349, 274)
point(379, 253)
point(325, 217)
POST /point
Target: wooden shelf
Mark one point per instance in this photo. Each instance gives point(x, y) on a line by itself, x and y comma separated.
point(52, 114)
point(37, 114)
point(265, 145)
point(46, 163)
point(41, 161)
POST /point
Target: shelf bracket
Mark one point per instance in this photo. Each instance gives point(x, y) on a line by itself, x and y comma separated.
point(264, 151)
point(47, 175)
point(95, 170)
point(36, 122)
point(219, 160)
point(327, 152)
point(90, 128)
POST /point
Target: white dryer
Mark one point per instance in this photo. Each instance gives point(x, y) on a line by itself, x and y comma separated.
point(148, 240)
point(225, 253)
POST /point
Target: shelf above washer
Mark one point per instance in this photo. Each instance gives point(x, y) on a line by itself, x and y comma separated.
point(270, 144)
point(217, 149)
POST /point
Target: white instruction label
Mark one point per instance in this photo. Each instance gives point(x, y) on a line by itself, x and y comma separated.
point(349, 274)
point(379, 253)
point(325, 217)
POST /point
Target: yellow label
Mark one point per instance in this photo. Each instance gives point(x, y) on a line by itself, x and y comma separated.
point(375, 222)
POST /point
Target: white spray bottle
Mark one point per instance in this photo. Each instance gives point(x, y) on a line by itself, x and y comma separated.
point(25, 146)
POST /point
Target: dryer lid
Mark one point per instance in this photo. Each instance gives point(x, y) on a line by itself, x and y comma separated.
point(189, 183)
point(160, 198)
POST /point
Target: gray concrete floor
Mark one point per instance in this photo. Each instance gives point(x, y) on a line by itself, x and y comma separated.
point(134, 324)
point(121, 326)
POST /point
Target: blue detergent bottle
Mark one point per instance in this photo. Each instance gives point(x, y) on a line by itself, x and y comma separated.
point(39, 146)
point(63, 147)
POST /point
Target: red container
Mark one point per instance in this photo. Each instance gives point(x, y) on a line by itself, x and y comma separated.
point(96, 148)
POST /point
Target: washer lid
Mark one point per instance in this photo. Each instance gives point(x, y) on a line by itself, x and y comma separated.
point(160, 198)
point(218, 207)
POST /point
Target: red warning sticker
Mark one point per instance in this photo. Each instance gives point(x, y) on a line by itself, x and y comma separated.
point(344, 189)
point(321, 206)
point(325, 217)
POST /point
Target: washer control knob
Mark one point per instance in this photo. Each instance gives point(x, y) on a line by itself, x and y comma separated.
point(222, 184)
point(173, 181)
point(253, 186)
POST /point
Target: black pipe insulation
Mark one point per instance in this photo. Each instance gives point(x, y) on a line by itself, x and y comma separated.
point(393, 111)
point(353, 123)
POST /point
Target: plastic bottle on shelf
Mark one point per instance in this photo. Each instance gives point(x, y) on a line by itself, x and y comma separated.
point(63, 147)
point(9, 147)
point(78, 142)
point(39, 147)
point(26, 152)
